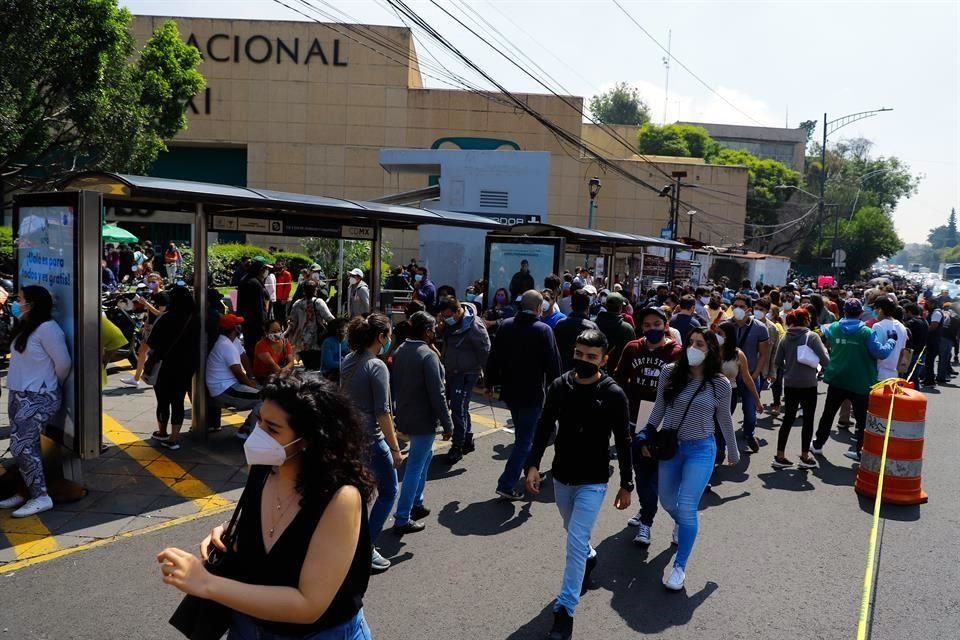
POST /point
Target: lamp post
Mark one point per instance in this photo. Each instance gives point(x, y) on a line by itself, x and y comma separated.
point(690, 226)
point(829, 126)
point(674, 215)
point(594, 186)
point(860, 181)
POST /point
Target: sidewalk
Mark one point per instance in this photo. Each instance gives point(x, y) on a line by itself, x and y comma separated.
point(137, 486)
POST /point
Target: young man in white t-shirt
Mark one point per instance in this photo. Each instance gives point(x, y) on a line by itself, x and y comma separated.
point(885, 309)
point(227, 381)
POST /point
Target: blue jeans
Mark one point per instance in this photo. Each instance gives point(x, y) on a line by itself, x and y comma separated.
point(381, 463)
point(579, 505)
point(682, 481)
point(646, 471)
point(414, 476)
point(524, 427)
point(749, 405)
point(244, 627)
point(459, 389)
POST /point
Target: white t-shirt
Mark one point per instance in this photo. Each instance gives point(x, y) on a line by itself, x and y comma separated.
point(224, 355)
point(675, 334)
point(887, 368)
point(270, 284)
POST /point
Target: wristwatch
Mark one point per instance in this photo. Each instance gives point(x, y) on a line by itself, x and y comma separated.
point(629, 486)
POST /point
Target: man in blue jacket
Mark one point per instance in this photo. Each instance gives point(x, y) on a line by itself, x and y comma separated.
point(523, 360)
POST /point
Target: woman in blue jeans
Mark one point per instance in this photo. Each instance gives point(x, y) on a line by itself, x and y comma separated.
point(365, 379)
point(692, 396)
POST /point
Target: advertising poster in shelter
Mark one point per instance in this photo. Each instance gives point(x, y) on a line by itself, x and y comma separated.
point(46, 246)
point(519, 264)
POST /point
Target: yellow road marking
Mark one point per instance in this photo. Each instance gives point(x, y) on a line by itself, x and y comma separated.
point(164, 469)
point(28, 537)
point(59, 553)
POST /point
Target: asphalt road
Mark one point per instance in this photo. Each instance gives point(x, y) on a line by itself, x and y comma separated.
point(780, 555)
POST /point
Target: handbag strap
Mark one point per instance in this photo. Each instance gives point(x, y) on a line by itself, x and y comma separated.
point(703, 383)
point(229, 531)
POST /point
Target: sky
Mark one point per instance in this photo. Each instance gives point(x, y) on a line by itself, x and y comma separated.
point(778, 62)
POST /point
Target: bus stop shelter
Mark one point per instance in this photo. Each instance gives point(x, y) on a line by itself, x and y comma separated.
point(217, 207)
point(596, 242)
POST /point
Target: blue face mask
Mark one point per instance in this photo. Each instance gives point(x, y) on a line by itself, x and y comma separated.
point(471, 297)
point(653, 336)
point(386, 346)
point(15, 310)
point(418, 277)
point(452, 320)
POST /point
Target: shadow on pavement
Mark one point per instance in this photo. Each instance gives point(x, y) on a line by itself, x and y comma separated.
point(832, 474)
point(897, 512)
point(501, 451)
point(787, 480)
point(488, 518)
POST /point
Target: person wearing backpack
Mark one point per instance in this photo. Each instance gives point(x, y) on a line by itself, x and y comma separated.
point(308, 326)
point(798, 355)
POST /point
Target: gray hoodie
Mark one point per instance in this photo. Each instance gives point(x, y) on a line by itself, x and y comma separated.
point(466, 345)
point(418, 389)
point(796, 374)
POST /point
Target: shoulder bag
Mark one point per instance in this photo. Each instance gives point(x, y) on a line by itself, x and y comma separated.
point(151, 368)
point(201, 619)
point(806, 355)
point(663, 444)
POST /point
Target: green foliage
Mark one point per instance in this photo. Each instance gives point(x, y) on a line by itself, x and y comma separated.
point(869, 235)
point(186, 263)
point(684, 140)
point(764, 175)
point(809, 126)
point(6, 251)
point(294, 261)
point(949, 254)
point(75, 95)
point(356, 254)
point(945, 236)
point(620, 105)
point(222, 260)
point(921, 253)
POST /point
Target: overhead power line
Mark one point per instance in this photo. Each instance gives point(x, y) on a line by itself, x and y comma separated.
point(685, 67)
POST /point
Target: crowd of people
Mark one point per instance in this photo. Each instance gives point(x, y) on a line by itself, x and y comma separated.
point(574, 362)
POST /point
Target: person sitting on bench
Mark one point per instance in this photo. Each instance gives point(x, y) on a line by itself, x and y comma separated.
point(227, 380)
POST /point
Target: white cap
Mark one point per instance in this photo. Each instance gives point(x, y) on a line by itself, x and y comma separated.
point(590, 289)
point(357, 272)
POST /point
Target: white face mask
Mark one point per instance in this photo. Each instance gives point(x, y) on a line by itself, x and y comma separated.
point(759, 315)
point(546, 307)
point(721, 339)
point(739, 313)
point(705, 300)
point(694, 356)
point(261, 449)
point(787, 306)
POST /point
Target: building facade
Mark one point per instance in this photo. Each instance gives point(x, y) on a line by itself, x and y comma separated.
point(301, 107)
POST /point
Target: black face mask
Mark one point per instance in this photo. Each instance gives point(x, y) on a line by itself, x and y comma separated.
point(585, 369)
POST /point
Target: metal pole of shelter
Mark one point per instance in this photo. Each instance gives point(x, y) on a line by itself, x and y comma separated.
point(198, 419)
point(375, 248)
point(340, 295)
point(823, 188)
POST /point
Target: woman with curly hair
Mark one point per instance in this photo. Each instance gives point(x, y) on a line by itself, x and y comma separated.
point(303, 543)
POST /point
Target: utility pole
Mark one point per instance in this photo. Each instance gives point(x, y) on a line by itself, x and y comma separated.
point(666, 88)
point(674, 214)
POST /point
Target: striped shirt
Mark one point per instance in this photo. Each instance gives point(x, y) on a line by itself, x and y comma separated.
point(709, 406)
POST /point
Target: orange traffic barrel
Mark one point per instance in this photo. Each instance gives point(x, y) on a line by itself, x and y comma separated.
point(901, 479)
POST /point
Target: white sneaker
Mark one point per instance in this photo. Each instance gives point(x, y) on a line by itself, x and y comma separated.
point(12, 502)
point(643, 535)
point(814, 449)
point(33, 507)
point(675, 581)
point(675, 539)
point(635, 520)
point(130, 381)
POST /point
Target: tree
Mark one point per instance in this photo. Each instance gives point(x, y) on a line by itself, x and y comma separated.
point(687, 140)
point(764, 199)
point(952, 238)
point(620, 105)
point(809, 126)
point(74, 95)
point(356, 254)
point(921, 253)
point(945, 235)
point(869, 235)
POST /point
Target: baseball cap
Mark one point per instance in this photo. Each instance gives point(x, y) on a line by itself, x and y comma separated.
point(260, 259)
point(315, 267)
point(356, 272)
point(615, 302)
point(229, 321)
point(648, 311)
point(852, 304)
point(590, 289)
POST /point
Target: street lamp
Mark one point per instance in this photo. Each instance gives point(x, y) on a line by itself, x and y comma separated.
point(830, 126)
point(594, 186)
point(690, 227)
